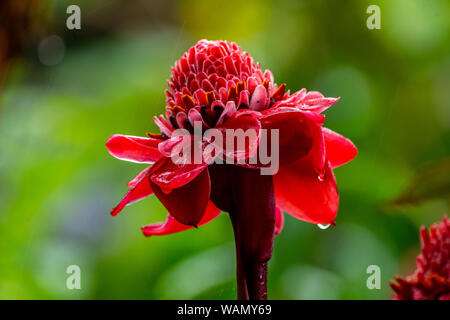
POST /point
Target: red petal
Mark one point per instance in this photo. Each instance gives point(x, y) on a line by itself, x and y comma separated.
point(178, 142)
point(301, 193)
point(171, 225)
point(131, 148)
point(279, 221)
point(339, 149)
point(248, 122)
point(187, 204)
point(230, 109)
point(140, 188)
point(318, 104)
point(260, 99)
point(169, 175)
point(317, 152)
point(164, 126)
point(138, 178)
point(295, 135)
point(292, 99)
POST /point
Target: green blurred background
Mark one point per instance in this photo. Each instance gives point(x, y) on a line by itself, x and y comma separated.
point(59, 104)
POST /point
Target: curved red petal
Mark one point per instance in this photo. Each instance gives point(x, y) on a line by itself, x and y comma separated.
point(171, 225)
point(316, 102)
point(300, 192)
point(140, 188)
point(319, 104)
point(260, 98)
point(295, 134)
point(279, 221)
point(138, 177)
point(312, 101)
point(339, 149)
point(167, 146)
point(245, 121)
point(169, 175)
point(187, 204)
point(317, 152)
point(135, 149)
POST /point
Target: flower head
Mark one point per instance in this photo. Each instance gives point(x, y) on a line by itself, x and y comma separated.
point(431, 280)
point(217, 84)
point(218, 96)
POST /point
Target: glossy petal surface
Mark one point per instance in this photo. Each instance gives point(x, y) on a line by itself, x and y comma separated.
point(171, 225)
point(135, 149)
point(339, 149)
point(300, 192)
point(187, 204)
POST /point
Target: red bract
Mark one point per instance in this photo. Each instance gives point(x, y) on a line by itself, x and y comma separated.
point(431, 280)
point(217, 85)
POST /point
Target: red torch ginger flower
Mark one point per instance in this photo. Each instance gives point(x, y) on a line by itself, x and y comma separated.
point(431, 280)
point(216, 85)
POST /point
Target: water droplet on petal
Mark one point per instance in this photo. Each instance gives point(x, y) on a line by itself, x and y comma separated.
point(324, 226)
point(321, 175)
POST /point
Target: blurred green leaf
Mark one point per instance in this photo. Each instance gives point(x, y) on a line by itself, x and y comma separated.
point(430, 182)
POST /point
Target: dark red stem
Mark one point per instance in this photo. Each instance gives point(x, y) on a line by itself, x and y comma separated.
point(253, 219)
point(249, 198)
point(242, 292)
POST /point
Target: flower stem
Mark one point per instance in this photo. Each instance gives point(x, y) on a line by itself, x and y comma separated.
point(249, 198)
point(242, 292)
point(253, 218)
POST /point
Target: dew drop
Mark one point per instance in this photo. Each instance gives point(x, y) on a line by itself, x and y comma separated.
point(324, 226)
point(320, 174)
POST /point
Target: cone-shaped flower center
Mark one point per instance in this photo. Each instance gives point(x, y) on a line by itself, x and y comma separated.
point(213, 80)
point(431, 280)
